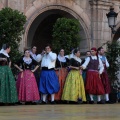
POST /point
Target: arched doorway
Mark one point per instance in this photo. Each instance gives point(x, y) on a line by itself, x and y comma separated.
point(40, 31)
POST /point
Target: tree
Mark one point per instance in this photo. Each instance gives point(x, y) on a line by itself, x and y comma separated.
point(66, 34)
point(113, 55)
point(11, 29)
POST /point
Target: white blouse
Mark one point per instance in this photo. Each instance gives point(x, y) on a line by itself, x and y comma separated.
point(70, 56)
point(48, 60)
point(4, 52)
point(100, 67)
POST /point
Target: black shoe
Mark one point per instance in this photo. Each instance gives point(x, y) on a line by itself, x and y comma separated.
point(91, 102)
point(100, 102)
point(53, 102)
point(84, 102)
point(28, 103)
point(2, 104)
point(43, 102)
point(64, 102)
point(19, 103)
point(34, 103)
point(119, 100)
point(73, 102)
point(108, 102)
point(58, 101)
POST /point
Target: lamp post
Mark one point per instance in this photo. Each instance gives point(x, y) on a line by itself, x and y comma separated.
point(112, 16)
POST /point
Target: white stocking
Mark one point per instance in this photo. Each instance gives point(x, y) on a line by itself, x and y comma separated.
point(106, 97)
point(91, 97)
point(44, 97)
point(99, 98)
point(52, 97)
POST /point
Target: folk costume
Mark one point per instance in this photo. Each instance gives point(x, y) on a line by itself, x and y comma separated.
point(49, 83)
point(74, 85)
point(61, 71)
point(26, 83)
point(104, 77)
point(94, 84)
point(8, 92)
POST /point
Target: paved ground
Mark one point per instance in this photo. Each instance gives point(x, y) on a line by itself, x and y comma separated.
point(61, 112)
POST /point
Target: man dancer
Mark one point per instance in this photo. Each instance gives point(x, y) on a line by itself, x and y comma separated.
point(104, 75)
point(49, 83)
point(94, 84)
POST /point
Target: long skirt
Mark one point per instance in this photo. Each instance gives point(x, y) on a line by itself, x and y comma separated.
point(74, 87)
point(106, 82)
point(49, 83)
point(27, 87)
point(94, 84)
point(8, 92)
point(62, 74)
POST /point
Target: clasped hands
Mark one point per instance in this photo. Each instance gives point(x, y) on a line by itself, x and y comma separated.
point(77, 68)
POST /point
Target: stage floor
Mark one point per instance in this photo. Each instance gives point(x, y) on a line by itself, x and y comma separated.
point(61, 112)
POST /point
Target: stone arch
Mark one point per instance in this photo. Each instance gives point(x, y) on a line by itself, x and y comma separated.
point(34, 12)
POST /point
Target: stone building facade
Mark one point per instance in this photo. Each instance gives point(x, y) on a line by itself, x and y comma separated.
point(42, 14)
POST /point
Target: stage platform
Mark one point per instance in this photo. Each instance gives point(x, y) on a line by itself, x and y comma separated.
point(61, 112)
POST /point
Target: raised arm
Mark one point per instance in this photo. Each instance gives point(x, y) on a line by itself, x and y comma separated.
point(52, 56)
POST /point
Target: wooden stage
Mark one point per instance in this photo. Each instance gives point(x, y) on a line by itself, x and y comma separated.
point(61, 112)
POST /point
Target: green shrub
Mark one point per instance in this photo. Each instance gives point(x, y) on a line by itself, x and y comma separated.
point(66, 34)
point(113, 56)
point(11, 30)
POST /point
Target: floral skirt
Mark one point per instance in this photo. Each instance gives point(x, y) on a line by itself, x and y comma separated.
point(8, 92)
point(62, 74)
point(27, 87)
point(94, 83)
point(74, 87)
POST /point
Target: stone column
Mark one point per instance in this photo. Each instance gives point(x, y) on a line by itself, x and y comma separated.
point(100, 31)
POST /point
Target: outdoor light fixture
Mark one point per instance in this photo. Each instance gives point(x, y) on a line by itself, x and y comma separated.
point(112, 16)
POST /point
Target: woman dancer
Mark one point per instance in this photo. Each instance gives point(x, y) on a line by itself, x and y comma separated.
point(74, 86)
point(8, 92)
point(26, 82)
point(61, 71)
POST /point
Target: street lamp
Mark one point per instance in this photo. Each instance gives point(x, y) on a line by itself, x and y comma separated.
point(112, 16)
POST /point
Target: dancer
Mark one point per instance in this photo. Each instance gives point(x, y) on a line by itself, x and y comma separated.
point(74, 86)
point(49, 83)
point(8, 92)
point(61, 71)
point(104, 75)
point(94, 84)
point(26, 82)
